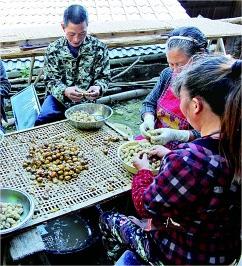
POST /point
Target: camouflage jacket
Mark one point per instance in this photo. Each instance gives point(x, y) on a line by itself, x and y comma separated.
point(62, 70)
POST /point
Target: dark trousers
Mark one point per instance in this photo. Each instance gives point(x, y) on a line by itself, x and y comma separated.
point(51, 111)
point(119, 233)
point(2, 113)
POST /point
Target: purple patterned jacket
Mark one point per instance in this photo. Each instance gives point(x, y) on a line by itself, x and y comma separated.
point(193, 188)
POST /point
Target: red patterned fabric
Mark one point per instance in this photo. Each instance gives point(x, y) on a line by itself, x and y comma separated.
point(168, 111)
point(140, 183)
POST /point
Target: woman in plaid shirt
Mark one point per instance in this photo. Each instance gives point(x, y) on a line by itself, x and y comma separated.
point(190, 211)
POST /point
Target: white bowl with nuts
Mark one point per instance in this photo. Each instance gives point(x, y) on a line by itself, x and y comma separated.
point(88, 115)
point(128, 151)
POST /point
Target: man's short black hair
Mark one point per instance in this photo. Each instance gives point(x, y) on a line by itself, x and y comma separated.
point(75, 14)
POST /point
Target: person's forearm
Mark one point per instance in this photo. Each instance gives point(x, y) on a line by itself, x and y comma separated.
point(150, 103)
point(103, 84)
point(57, 89)
point(140, 182)
point(147, 109)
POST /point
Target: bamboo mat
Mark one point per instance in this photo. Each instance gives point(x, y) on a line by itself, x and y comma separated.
point(104, 179)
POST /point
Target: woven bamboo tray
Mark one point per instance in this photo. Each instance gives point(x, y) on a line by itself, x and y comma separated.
point(104, 179)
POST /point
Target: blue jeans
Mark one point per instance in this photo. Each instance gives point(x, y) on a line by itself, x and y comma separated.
point(51, 111)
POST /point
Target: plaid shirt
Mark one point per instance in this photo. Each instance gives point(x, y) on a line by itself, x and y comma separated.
point(194, 189)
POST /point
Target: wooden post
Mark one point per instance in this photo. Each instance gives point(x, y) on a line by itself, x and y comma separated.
point(31, 69)
point(38, 77)
point(220, 46)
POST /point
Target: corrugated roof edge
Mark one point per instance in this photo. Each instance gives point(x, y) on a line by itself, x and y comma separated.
point(18, 64)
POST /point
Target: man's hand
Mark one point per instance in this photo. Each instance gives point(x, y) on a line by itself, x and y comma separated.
point(141, 162)
point(162, 136)
point(93, 93)
point(73, 94)
point(147, 125)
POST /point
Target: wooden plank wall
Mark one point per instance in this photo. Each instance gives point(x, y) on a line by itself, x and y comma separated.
point(113, 34)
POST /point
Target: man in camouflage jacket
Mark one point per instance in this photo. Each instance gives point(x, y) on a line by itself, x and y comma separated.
point(76, 67)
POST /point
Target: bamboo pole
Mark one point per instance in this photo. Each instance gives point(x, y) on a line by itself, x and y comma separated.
point(123, 96)
point(38, 77)
point(31, 70)
point(138, 83)
point(127, 69)
point(237, 20)
point(144, 59)
point(23, 80)
point(18, 80)
point(113, 90)
point(21, 86)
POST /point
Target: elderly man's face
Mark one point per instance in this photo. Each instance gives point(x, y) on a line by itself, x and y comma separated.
point(75, 33)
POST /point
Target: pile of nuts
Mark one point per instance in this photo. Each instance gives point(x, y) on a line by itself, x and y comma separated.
point(108, 141)
point(81, 116)
point(55, 161)
point(10, 214)
point(130, 151)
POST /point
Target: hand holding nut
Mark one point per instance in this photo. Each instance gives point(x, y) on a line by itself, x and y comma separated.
point(73, 94)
